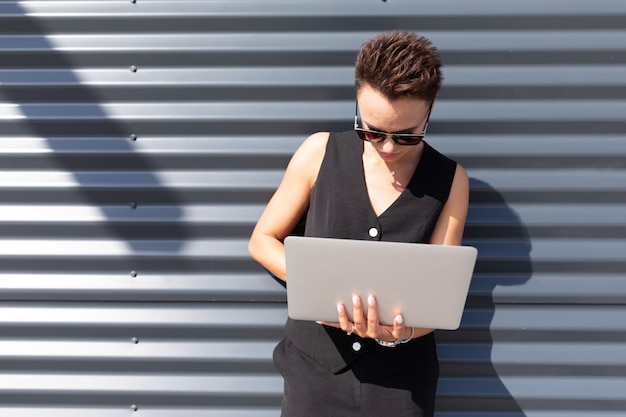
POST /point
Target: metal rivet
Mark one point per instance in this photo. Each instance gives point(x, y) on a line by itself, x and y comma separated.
point(134, 340)
point(133, 1)
point(133, 274)
point(133, 205)
point(134, 407)
point(133, 68)
point(133, 137)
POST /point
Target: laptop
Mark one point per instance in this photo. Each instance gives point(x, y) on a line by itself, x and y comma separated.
point(428, 284)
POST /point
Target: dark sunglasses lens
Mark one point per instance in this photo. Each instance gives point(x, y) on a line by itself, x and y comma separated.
point(370, 136)
point(410, 140)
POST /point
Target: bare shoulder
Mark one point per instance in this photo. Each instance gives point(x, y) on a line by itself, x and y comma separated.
point(451, 224)
point(309, 156)
point(459, 192)
point(315, 145)
point(461, 179)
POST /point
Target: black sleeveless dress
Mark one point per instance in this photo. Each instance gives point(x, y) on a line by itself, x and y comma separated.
point(326, 371)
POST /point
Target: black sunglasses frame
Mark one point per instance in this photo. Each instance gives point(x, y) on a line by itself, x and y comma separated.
point(404, 139)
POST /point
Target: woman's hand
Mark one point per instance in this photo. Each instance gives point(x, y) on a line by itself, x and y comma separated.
point(369, 327)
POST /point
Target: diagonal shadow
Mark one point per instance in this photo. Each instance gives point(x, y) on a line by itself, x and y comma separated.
point(113, 179)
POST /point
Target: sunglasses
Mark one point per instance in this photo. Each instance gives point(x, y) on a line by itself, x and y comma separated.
point(375, 136)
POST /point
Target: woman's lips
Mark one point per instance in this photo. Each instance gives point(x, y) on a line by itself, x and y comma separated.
point(386, 155)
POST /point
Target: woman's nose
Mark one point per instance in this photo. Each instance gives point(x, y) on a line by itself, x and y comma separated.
point(387, 144)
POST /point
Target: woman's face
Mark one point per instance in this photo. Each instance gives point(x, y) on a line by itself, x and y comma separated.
point(402, 115)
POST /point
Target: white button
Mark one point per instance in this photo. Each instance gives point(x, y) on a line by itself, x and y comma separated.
point(356, 346)
point(373, 232)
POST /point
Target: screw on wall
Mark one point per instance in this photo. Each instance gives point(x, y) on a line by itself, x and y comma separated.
point(133, 68)
point(133, 205)
point(133, 137)
point(134, 407)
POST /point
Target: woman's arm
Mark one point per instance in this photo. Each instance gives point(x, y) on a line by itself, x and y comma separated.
point(287, 205)
point(451, 224)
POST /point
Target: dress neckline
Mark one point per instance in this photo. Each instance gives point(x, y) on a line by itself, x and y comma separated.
point(400, 196)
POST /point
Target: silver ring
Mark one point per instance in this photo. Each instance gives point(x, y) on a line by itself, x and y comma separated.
point(351, 330)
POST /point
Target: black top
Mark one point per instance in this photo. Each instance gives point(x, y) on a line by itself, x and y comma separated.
point(340, 208)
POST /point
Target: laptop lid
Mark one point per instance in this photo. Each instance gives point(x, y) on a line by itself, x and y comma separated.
point(428, 284)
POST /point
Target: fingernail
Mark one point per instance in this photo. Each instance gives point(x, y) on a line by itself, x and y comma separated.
point(370, 300)
point(399, 319)
point(339, 308)
point(355, 300)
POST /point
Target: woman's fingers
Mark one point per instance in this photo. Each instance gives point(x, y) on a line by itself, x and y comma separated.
point(373, 324)
point(344, 322)
point(398, 327)
point(360, 324)
point(368, 325)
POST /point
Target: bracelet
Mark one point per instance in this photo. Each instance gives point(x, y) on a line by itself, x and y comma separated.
point(397, 341)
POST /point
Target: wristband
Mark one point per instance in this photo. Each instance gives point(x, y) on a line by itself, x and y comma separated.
point(397, 341)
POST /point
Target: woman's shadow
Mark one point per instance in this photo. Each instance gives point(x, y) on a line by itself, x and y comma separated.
point(470, 380)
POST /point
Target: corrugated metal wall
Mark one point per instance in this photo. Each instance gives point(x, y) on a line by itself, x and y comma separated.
point(139, 141)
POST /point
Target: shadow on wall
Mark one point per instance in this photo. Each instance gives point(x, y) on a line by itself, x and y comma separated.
point(473, 382)
point(67, 116)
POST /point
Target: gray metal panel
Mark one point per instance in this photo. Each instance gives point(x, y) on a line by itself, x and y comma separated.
point(140, 141)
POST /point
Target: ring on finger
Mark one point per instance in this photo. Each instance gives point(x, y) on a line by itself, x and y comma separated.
point(351, 330)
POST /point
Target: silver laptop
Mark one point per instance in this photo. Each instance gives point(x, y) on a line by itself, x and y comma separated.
point(428, 284)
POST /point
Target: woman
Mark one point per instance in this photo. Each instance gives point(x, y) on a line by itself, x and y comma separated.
point(378, 182)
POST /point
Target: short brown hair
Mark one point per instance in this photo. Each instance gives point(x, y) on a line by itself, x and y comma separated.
point(400, 64)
